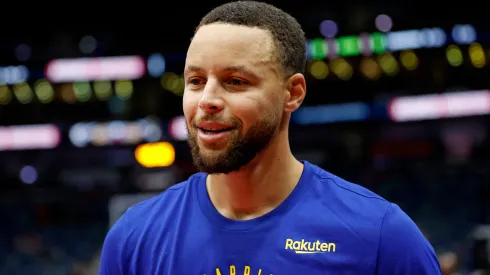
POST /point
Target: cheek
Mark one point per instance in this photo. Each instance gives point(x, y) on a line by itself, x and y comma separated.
point(189, 106)
point(249, 110)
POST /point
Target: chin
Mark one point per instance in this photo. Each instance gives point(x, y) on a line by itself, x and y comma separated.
point(217, 162)
point(213, 147)
point(214, 156)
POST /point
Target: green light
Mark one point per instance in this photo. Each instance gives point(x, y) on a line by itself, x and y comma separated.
point(378, 43)
point(352, 45)
point(82, 91)
point(454, 55)
point(349, 45)
point(318, 49)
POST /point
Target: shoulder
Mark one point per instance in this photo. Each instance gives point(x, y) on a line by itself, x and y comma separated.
point(403, 249)
point(151, 216)
point(401, 246)
point(349, 198)
point(161, 207)
point(166, 202)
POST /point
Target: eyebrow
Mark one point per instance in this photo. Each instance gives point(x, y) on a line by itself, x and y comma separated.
point(192, 69)
point(240, 69)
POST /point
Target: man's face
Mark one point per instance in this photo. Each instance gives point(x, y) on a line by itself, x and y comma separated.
point(233, 98)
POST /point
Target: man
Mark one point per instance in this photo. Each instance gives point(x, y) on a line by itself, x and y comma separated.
point(254, 208)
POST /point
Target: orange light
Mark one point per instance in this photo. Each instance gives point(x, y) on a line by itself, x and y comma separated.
point(159, 154)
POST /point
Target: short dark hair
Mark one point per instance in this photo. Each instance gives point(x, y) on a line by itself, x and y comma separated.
point(289, 38)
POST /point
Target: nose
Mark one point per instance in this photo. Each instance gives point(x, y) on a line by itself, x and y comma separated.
point(211, 101)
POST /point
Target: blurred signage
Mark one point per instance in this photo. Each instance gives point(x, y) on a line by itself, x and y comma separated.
point(320, 48)
point(13, 74)
point(406, 108)
point(98, 68)
point(25, 137)
point(114, 133)
point(353, 111)
point(461, 104)
point(416, 39)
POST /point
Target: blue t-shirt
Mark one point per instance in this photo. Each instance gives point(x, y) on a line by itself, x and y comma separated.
point(325, 226)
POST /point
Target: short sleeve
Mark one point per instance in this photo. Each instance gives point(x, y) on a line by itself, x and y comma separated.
point(403, 249)
point(113, 257)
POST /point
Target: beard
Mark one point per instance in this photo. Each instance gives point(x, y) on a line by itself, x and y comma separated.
point(240, 150)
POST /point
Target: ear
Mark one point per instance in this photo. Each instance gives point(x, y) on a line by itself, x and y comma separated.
point(296, 92)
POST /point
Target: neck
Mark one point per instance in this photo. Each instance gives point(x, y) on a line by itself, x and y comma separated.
point(260, 186)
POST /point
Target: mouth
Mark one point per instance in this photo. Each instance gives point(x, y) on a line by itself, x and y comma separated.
point(214, 131)
point(213, 135)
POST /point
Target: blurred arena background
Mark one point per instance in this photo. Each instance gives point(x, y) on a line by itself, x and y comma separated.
point(91, 122)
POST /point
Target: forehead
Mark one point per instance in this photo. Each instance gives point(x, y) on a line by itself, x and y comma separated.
point(222, 45)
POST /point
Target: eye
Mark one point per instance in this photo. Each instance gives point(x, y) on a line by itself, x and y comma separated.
point(195, 81)
point(236, 82)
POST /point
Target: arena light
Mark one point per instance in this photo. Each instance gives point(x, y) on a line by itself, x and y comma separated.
point(5, 94)
point(454, 55)
point(318, 48)
point(477, 55)
point(156, 65)
point(381, 42)
point(159, 154)
point(349, 45)
point(341, 68)
point(463, 34)
point(13, 74)
point(43, 136)
point(416, 39)
point(409, 60)
point(383, 23)
point(388, 64)
point(44, 91)
point(370, 68)
point(23, 93)
point(177, 128)
point(425, 107)
point(333, 113)
point(318, 69)
point(114, 133)
point(99, 68)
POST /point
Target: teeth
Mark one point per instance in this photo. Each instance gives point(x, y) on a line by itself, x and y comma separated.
point(213, 131)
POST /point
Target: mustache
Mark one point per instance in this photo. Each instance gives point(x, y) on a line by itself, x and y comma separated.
point(215, 119)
